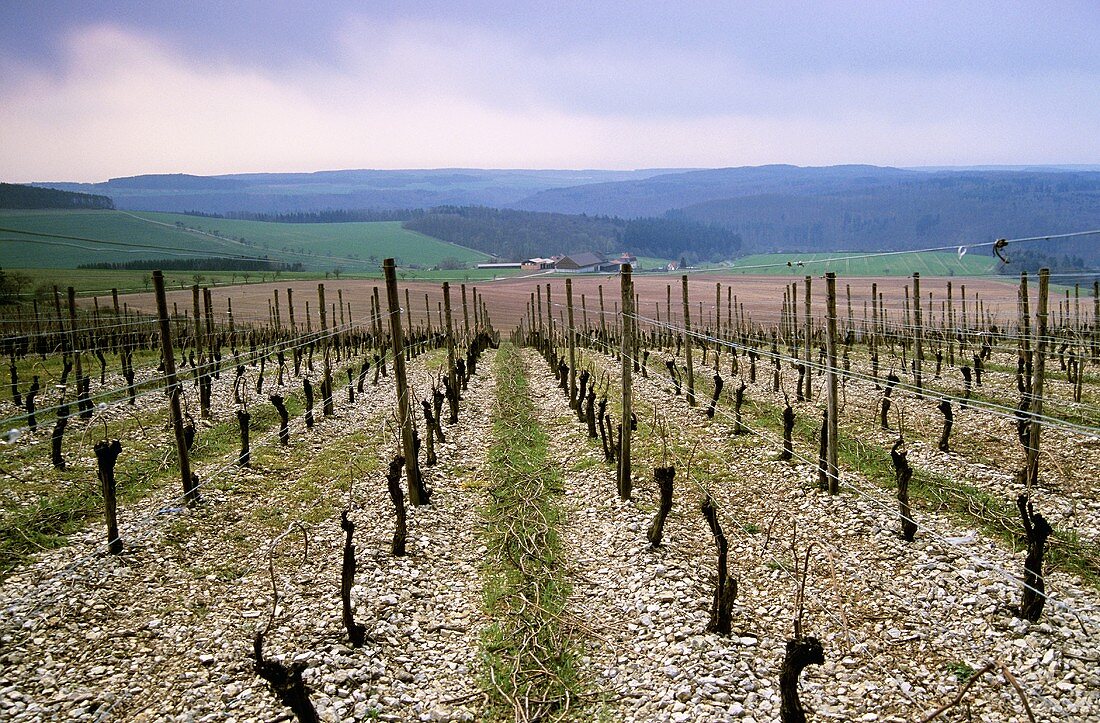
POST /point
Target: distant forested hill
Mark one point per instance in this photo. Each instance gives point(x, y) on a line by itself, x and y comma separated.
point(15, 196)
point(758, 209)
point(655, 195)
point(516, 235)
point(291, 193)
point(916, 213)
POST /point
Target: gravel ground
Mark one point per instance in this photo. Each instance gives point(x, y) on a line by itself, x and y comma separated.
point(163, 632)
point(896, 622)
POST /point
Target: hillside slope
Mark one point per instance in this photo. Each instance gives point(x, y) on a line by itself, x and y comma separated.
point(114, 236)
point(324, 190)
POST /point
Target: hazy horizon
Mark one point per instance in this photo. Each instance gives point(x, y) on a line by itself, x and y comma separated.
point(126, 88)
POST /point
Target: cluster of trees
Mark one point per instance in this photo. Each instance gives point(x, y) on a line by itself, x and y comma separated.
point(517, 235)
point(1031, 260)
point(11, 286)
point(680, 238)
point(18, 196)
point(204, 263)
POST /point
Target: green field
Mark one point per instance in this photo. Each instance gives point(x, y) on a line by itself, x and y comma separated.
point(351, 247)
point(928, 263)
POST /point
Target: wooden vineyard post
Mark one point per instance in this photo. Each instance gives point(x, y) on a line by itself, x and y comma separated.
point(190, 486)
point(290, 310)
point(465, 312)
point(874, 333)
point(832, 403)
point(851, 318)
point(377, 321)
point(918, 335)
point(573, 401)
point(603, 318)
point(452, 379)
point(625, 483)
point(668, 313)
point(409, 316)
point(204, 400)
point(1095, 321)
point(74, 345)
point(549, 317)
point(531, 325)
point(412, 469)
point(326, 385)
point(717, 312)
point(950, 321)
point(687, 344)
point(808, 377)
point(1025, 332)
point(477, 316)
point(538, 313)
point(1038, 372)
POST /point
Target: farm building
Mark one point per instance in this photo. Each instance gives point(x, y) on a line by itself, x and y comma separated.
point(585, 262)
point(538, 264)
point(500, 265)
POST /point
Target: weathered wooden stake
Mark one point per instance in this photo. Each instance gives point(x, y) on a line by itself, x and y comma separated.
point(574, 403)
point(190, 482)
point(625, 481)
point(452, 379)
point(688, 344)
point(833, 403)
point(404, 409)
point(1038, 372)
point(808, 379)
point(918, 336)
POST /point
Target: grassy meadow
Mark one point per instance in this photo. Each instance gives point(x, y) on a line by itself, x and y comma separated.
point(119, 236)
point(927, 263)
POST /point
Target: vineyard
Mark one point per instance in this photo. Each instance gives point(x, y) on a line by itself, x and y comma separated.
point(604, 498)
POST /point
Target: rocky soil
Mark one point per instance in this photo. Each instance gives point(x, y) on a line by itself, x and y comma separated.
point(164, 631)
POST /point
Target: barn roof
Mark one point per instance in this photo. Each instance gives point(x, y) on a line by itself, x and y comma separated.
point(585, 258)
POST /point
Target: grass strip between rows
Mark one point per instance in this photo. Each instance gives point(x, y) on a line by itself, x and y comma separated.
point(529, 660)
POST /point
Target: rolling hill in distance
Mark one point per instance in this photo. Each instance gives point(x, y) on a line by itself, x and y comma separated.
point(775, 208)
point(351, 189)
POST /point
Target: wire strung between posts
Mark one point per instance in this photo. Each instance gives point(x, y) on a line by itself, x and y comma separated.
point(1000, 243)
point(947, 543)
point(991, 407)
point(291, 344)
point(906, 604)
point(986, 563)
point(765, 436)
point(143, 525)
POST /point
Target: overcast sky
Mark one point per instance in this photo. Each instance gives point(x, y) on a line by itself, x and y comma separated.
point(92, 90)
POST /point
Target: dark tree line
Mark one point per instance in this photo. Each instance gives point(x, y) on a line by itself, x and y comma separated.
point(517, 235)
point(11, 286)
point(341, 215)
point(205, 263)
point(13, 195)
